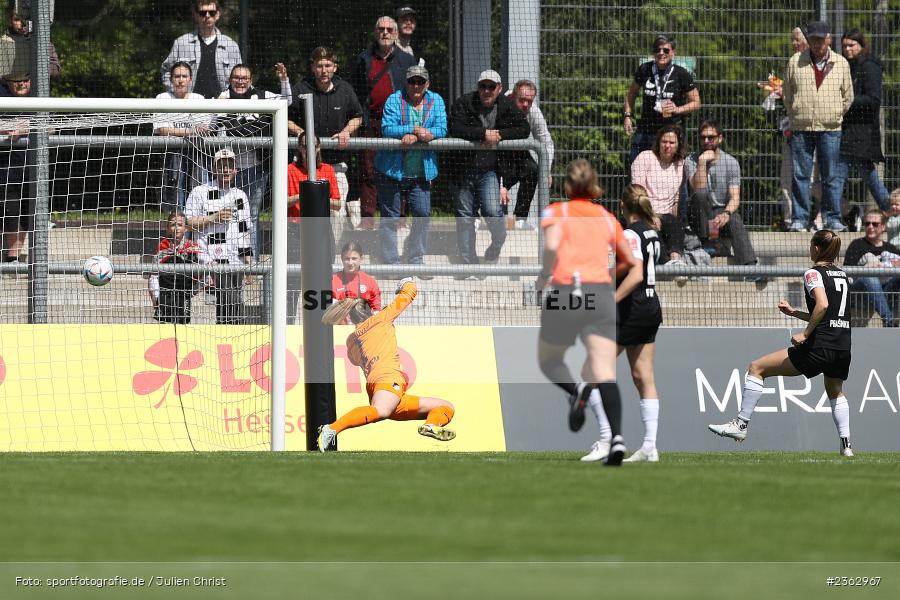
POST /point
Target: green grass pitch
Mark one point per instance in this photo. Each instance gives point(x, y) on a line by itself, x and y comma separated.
point(518, 525)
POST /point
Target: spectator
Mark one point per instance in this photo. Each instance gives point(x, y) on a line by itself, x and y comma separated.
point(377, 73)
point(336, 114)
point(715, 180)
point(668, 94)
point(524, 167)
point(14, 174)
point(798, 43)
point(297, 174)
point(893, 222)
point(210, 53)
point(414, 115)
point(861, 128)
point(252, 176)
point(485, 116)
point(171, 293)
point(221, 214)
point(15, 46)
point(406, 27)
point(817, 92)
point(871, 251)
point(182, 169)
point(352, 282)
point(660, 171)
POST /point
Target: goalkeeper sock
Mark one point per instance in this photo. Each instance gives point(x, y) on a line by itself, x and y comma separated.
point(650, 417)
point(440, 416)
point(356, 418)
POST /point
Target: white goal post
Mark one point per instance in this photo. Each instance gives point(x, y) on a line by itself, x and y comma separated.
point(55, 121)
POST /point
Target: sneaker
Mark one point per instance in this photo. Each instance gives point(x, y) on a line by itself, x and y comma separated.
point(642, 455)
point(523, 224)
point(466, 277)
point(836, 226)
point(797, 226)
point(439, 433)
point(616, 452)
point(599, 451)
point(577, 403)
point(326, 439)
point(735, 429)
point(848, 452)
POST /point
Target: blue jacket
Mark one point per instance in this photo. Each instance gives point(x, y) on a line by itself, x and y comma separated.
point(395, 123)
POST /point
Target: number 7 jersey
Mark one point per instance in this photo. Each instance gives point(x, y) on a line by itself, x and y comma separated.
point(833, 331)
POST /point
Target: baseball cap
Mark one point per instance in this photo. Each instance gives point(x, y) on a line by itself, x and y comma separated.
point(405, 11)
point(417, 71)
point(223, 154)
point(18, 76)
point(490, 75)
point(817, 29)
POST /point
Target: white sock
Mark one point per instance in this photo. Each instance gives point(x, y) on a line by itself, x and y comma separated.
point(596, 405)
point(840, 412)
point(753, 387)
point(650, 417)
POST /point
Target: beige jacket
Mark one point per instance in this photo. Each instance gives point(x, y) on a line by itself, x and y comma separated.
point(821, 109)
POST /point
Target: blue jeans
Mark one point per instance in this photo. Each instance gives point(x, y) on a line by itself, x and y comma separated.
point(418, 194)
point(253, 182)
point(478, 193)
point(878, 293)
point(180, 176)
point(826, 145)
point(869, 174)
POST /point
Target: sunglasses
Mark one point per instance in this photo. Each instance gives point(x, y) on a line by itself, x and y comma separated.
point(490, 87)
point(417, 81)
point(873, 223)
point(663, 50)
point(207, 13)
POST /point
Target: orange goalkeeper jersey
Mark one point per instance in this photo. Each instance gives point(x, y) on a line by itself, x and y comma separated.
point(373, 345)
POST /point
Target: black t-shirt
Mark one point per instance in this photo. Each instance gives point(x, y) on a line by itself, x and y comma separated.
point(643, 303)
point(332, 110)
point(833, 331)
point(676, 82)
point(861, 246)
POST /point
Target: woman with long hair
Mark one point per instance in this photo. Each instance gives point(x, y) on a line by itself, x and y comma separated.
point(579, 236)
point(373, 347)
point(660, 171)
point(823, 347)
point(639, 318)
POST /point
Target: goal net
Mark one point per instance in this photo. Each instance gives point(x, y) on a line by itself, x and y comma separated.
point(186, 199)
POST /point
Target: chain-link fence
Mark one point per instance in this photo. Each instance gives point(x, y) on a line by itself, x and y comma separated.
point(584, 65)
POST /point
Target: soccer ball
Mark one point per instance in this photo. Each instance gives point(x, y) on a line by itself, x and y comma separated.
point(97, 270)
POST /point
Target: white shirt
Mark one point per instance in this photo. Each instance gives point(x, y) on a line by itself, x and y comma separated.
point(229, 241)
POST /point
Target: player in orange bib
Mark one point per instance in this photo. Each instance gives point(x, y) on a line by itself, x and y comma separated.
point(373, 347)
point(579, 298)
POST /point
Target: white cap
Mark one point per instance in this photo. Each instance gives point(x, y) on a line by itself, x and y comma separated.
point(224, 153)
point(490, 75)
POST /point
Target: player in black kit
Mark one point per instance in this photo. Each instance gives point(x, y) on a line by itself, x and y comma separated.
point(639, 318)
point(823, 347)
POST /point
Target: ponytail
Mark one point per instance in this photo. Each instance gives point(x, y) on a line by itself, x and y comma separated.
point(636, 201)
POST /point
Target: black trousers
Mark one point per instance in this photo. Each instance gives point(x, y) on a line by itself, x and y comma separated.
point(525, 173)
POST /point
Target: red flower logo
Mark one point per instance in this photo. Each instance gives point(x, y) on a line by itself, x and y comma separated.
point(164, 354)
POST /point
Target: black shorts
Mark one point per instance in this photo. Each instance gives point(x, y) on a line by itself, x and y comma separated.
point(634, 332)
point(14, 210)
point(565, 316)
point(814, 361)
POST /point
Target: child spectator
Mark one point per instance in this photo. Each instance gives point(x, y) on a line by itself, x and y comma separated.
point(171, 293)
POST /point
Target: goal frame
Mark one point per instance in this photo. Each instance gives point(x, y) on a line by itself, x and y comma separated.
point(279, 144)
